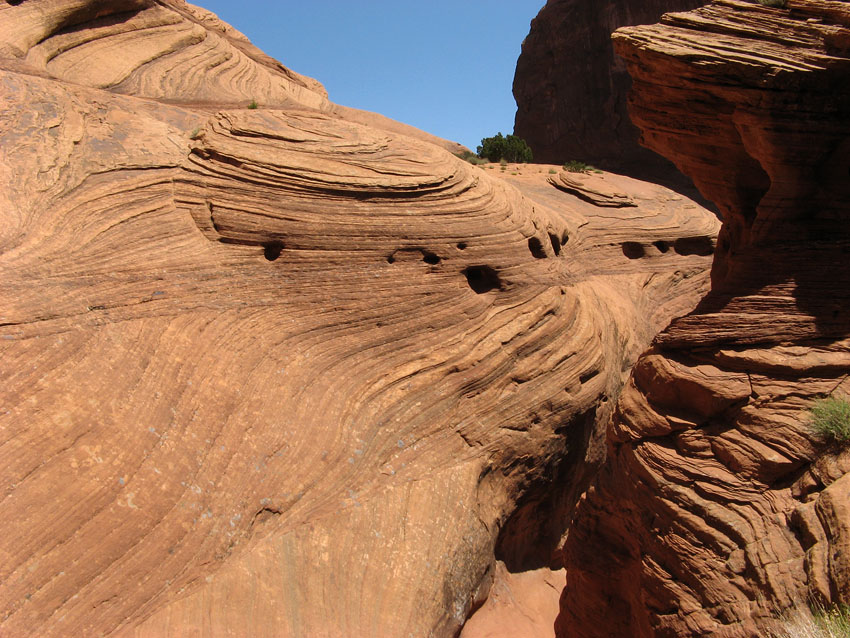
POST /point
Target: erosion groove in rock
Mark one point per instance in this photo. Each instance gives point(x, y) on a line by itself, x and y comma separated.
point(570, 87)
point(276, 371)
point(718, 506)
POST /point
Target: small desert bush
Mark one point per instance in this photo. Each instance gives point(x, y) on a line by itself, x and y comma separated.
point(574, 166)
point(253, 104)
point(471, 157)
point(830, 418)
point(778, 4)
point(510, 148)
point(819, 623)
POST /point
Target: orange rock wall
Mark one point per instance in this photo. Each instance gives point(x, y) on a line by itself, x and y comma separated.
point(290, 370)
point(718, 506)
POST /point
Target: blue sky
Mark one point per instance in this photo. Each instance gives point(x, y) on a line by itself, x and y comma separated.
point(445, 67)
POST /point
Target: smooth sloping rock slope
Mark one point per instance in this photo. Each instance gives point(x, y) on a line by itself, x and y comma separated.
point(283, 371)
point(571, 88)
point(718, 506)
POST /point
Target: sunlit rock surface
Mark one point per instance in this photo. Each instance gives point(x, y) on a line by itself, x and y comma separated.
point(286, 371)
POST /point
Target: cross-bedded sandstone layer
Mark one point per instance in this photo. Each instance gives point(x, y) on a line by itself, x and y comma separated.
point(278, 371)
point(718, 506)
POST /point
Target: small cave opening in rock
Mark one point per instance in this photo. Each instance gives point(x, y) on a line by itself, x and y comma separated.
point(633, 250)
point(391, 259)
point(701, 246)
point(483, 279)
point(556, 243)
point(662, 246)
point(272, 250)
point(461, 245)
point(535, 247)
point(430, 258)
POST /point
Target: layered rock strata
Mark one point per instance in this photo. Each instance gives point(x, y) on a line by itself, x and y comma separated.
point(570, 87)
point(718, 506)
point(276, 371)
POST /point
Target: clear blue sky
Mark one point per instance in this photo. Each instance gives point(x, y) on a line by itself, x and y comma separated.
point(445, 67)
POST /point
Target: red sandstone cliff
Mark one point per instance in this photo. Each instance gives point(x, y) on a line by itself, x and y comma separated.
point(718, 506)
point(293, 370)
point(570, 87)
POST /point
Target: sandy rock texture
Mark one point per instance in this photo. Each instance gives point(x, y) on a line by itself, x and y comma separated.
point(718, 506)
point(287, 371)
point(570, 86)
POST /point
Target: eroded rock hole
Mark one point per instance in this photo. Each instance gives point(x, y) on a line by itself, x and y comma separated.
point(535, 246)
point(662, 246)
point(587, 376)
point(556, 243)
point(701, 246)
point(272, 250)
point(430, 258)
point(482, 279)
point(633, 250)
point(461, 245)
point(391, 259)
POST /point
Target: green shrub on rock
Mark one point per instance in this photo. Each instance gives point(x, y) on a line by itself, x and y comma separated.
point(511, 148)
point(831, 418)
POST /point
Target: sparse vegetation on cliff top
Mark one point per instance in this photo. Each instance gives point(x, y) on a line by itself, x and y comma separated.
point(510, 148)
point(574, 166)
point(471, 157)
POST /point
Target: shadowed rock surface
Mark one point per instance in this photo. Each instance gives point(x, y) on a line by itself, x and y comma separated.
point(570, 87)
point(293, 370)
point(718, 506)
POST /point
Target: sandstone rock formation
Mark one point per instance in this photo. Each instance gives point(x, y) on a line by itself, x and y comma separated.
point(591, 188)
point(718, 506)
point(285, 371)
point(570, 87)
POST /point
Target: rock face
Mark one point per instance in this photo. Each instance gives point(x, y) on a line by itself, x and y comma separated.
point(570, 87)
point(285, 371)
point(718, 506)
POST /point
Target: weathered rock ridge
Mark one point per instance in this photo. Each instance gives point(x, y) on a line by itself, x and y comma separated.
point(570, 87)
point(285, 371)
point(717, 506)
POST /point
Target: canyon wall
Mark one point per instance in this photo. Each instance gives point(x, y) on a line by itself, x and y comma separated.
point(718, 506)
point(292, 370)
point(570, 87)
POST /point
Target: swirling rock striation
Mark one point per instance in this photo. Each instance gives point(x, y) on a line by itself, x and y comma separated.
point(718, 506)
point(277, 371)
